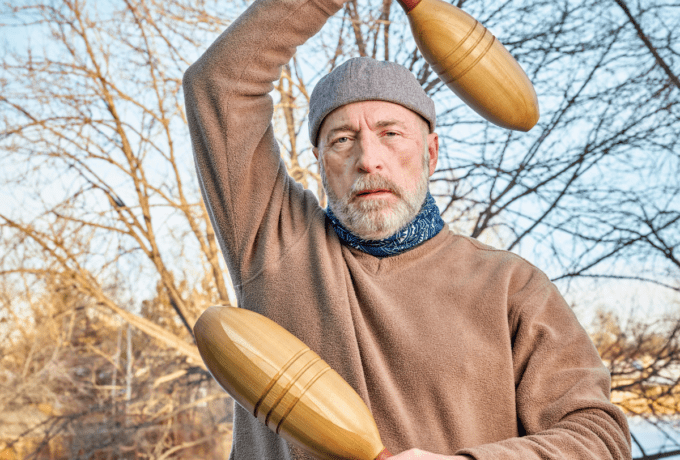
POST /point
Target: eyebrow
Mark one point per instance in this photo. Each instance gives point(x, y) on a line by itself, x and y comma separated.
point(350, 128)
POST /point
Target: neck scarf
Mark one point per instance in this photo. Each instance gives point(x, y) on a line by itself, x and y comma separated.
point(424, 226)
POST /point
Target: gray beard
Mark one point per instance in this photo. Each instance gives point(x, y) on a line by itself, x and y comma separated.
point(377, 219)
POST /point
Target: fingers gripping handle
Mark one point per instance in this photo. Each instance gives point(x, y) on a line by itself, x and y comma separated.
point(383, 455)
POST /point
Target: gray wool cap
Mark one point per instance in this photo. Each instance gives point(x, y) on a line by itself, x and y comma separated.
point(365, 79)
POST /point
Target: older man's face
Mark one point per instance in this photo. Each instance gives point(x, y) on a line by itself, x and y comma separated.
point(376, 159)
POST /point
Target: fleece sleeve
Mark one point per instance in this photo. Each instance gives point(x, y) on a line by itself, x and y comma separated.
point(257, 210)
point(562, 386)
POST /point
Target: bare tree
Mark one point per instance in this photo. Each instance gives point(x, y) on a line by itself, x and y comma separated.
point(96, 115)
point(104, 208)
point(644, 360)
point(78, 385)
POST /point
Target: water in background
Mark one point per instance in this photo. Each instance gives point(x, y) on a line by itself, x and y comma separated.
point(654, 440)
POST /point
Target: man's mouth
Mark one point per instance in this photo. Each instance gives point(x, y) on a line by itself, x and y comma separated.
point(373, 192)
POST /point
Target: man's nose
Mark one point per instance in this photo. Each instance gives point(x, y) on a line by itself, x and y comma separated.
point(371, 156)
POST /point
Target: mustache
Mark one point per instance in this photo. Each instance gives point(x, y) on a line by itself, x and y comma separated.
point(373, 182)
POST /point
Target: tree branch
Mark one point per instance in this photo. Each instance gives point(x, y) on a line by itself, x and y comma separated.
point(648, 44)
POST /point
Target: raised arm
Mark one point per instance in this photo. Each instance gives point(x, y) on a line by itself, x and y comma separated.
point(250, 198)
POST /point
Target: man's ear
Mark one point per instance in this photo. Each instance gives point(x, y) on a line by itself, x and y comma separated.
point(433, 149)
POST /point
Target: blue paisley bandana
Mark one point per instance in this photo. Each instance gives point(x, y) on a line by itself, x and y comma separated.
point(424, 226)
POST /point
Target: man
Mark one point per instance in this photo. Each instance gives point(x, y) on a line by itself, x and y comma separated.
point(459, 350)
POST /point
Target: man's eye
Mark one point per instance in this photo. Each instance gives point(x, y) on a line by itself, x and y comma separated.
point(341, 140)
point(391, 133)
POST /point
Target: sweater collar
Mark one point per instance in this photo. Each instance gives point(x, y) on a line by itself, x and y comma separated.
point(424, 226)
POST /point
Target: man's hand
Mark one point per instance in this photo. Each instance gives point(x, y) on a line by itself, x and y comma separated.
point(417, 454)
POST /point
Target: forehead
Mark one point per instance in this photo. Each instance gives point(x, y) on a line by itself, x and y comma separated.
point(374, 113)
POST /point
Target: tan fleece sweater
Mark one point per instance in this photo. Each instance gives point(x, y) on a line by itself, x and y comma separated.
point(454, 346)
